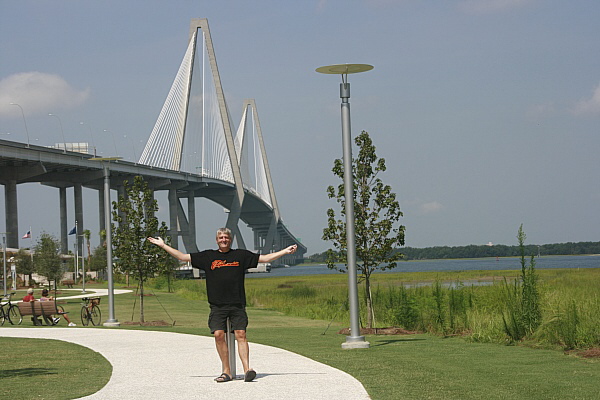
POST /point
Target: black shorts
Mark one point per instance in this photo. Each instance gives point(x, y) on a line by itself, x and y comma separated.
point(217, 320)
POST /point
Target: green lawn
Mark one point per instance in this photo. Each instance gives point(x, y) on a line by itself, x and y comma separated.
point(49, 369)
point(394, 367)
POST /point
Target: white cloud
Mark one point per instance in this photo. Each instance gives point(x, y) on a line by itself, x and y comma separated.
point(430, 208)
point(490, 6)
point(588, 106)
point(38, 93)
point(384, 3)
point(541, 110)
point(321, 5)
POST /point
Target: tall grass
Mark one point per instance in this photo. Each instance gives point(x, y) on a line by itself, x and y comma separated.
point(468, 303)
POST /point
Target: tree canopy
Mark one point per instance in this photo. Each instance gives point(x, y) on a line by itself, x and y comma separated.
point(134, 214)
point(377, 215)
point(47, 259)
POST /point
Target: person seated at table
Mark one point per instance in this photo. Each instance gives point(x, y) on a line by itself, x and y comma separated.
point(55, 320)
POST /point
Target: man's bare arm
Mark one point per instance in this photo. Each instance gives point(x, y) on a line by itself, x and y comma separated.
point(174, 252)
point(265, 258)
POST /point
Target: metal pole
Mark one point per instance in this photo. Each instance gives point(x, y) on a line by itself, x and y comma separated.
point(83, 267)
point(230, 338)
point(76, 252)
point(354, 340)
point(24, 121)
point(111, 321)
point(4, 253)
point(61, 131)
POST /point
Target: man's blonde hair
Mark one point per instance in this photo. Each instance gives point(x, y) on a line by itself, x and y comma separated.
point(226, 231)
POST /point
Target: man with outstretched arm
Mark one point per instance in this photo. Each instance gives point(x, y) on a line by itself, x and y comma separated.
point(225, 269)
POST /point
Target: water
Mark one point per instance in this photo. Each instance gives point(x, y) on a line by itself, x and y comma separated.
point(509, 263)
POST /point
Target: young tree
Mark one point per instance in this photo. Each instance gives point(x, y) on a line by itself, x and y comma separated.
point(47, 259)
point(24, 263)
point(134, 215)
point(87, 234)
point(98, 260)
point(377, 213)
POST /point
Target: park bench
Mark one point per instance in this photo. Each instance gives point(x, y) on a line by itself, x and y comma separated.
point(68, 283)
point(37, 309)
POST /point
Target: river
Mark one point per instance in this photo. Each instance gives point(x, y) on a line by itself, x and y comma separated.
point(506, 263)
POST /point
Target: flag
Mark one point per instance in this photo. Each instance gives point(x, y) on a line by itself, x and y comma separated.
point(73, 231)
point(27, 235)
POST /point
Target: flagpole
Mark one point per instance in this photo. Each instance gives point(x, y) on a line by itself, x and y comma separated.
point(76, 253)
point(83, 264)
point(4, 257)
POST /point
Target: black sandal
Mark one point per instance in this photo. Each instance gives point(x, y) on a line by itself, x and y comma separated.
point(223, 378)
point(250, 375)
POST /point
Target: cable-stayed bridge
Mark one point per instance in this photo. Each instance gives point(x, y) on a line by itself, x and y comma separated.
point(193, 151)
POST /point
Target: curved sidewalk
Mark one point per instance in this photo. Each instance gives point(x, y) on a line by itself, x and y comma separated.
point(166, 365)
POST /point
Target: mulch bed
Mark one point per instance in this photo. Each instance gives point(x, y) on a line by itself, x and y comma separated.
point(594, 352)
point(149, 323)
point(379, 331)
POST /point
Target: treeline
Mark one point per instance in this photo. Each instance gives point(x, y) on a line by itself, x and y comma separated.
point(475, 251)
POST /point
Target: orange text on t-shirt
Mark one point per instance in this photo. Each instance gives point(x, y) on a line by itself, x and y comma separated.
point(223, 263)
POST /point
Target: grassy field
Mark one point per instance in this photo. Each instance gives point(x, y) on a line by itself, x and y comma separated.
point(49, 369)
point(421, 366)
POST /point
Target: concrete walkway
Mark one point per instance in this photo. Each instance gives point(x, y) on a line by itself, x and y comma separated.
point(165, 365)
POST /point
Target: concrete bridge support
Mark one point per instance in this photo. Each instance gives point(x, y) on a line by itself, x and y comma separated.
point(101, 213)
point(11, 214)
point(77, 191)
point(62, 204)
point(173, 225)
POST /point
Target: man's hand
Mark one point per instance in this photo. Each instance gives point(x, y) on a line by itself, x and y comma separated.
point(157, 241)
point(292, 249)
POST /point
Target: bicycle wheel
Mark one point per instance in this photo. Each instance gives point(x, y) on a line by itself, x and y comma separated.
point(95, 315)
point(85, 320)
point(14, 315)
point(2, 316)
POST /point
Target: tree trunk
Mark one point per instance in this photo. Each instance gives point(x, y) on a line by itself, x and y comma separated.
point(369, 303)
point(89, 253)
point(142, 302)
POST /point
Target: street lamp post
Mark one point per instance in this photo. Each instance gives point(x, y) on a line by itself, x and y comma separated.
point(114, 142)
point(355, 340)
point(62, 131)
point(4, 256)
point(111, 321)
point(24, 120)
point(91, 136)
point(82, 262)
point(135, 159)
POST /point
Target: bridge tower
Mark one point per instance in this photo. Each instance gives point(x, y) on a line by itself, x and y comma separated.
point(194, 132)
point(256, 176)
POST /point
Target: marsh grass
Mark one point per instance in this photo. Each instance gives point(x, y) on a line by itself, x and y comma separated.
point(470, 303)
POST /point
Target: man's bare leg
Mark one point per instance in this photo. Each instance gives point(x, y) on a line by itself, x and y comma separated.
point(223, 351)
point(243, 349)
point(244, 353)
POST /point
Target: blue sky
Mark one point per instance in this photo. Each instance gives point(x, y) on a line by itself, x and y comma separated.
point(487, 112)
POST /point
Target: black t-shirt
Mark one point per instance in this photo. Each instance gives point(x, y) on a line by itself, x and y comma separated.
point(225, 274)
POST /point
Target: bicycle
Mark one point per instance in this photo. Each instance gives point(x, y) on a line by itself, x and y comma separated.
point(10, 312)
point(90, 312)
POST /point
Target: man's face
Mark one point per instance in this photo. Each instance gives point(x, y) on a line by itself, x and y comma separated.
point(224, 242)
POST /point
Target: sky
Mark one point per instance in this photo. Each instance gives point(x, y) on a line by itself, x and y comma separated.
point(487, 112)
